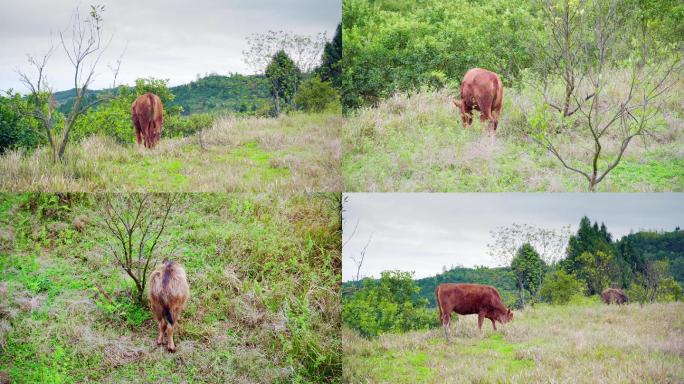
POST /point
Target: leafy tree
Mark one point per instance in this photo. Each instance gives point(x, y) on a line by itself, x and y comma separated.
point(669, 290)
point(331, 66)
point(559, 287)
point(589, 238)
point(315, 95)
point(387, 305)
point(599, 270)
point(284, 77)
point(528, 269)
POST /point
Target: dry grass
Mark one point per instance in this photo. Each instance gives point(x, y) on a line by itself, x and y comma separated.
point(582, 343)
point(295, 153)
point(417, 143)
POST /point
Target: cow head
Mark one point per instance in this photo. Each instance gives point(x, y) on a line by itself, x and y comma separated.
point(465, 115)
point(506, 317)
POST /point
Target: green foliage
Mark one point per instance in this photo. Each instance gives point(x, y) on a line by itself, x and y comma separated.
point(559, 287)
point(283, 75)
point(389, 304)
point(639, 248)
point(331, 66)
point(183, 126)
point(17, 130)
point(598, 268)
point(397, 45)
point(315, 95)
point(669, 290)
point(528, 269)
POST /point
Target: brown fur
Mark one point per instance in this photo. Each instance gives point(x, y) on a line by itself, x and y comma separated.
point(168, 293)
point(481, 90)
point(471, 299)
point(614, 295)
point(147, 114)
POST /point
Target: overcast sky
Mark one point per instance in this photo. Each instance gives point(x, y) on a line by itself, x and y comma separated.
point(174, 39)
point(422, 232)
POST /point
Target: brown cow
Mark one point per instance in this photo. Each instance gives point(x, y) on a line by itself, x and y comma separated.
point(168, 293)
point(614, 295)
point(481, 90)
point(147, 114)
point(470, 299)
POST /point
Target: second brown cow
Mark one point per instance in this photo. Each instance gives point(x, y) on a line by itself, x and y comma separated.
point(481, 90)
point(471, 299)
point(614, 296)
point(147, 114)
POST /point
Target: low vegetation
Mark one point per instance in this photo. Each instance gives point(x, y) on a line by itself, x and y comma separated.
point(264, 283)
point(296, 152)
point(417, 143)
point(583, 342)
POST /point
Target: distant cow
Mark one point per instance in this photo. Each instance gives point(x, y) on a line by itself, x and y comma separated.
point(614, 295)
point(147, 114)
point(471, 299)
point(481, 90)
point(168, 293)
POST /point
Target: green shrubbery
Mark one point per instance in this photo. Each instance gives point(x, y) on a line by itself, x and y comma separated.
point(559, 287)
point(315, 95)
point(387, 305)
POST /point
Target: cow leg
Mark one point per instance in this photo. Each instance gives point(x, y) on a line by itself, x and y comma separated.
point(162, 329)
point(446, 320)
point(138, 131)
point(169, 335)
point(480, 320)
point(467, 116)
point(493, 323)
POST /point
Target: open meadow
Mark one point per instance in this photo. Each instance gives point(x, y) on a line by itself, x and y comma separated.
point(583, 342)
point(296, 152)
point(263, 271)
point(417, 143)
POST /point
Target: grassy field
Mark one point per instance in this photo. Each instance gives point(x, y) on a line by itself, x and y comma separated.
point(264, 276)
point(585, 342)
point(298, 152)
point(418, 143)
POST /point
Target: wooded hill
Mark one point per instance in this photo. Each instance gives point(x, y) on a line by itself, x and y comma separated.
point(235, 93)
point(644, 246)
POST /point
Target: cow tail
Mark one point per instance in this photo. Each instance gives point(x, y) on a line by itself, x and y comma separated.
point(167, 315)
point(439, 304)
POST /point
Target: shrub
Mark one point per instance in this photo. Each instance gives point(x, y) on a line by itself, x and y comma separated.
point(669, 290)
point(559, 287)
point(315, 95)
point(387, 305)
point(180, 126)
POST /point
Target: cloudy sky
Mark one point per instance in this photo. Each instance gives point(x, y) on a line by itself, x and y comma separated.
point(423, 232)
point(174, 39)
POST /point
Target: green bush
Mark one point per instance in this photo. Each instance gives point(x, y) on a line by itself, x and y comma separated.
point(180, 126)
point(16, 130)
point(387, 305)
point(559, 287)
point(315, 95)
point(669, 290)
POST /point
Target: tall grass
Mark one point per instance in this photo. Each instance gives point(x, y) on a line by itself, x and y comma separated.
point(297, 152)
point(579, 343)
point(417, 143)
point(264, 275)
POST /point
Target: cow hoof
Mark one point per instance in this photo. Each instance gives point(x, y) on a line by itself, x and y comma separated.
point(172, 349)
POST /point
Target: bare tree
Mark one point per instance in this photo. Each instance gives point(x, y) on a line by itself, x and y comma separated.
point(362, 255)
point(585, 92)
point(549, 243)
point(83, 45)
point(305, 51)
point(136, 223)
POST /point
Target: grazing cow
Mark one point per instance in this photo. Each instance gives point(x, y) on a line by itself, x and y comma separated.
point(470, 299)
point(614, 295)
point(481, 90)
point(147, 114)
point(168, 293)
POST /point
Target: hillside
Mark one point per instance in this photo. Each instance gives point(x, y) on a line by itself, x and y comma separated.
point(659, 246)
point(500, 278)
point(213, 93)
point(584, 342)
